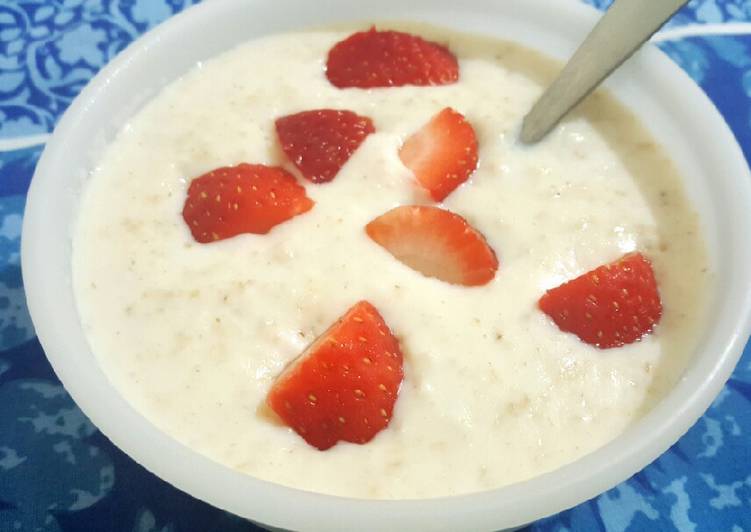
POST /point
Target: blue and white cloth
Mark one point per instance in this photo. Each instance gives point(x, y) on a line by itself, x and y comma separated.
point(58, 473)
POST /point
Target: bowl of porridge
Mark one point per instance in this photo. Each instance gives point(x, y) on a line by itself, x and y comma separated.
point(300, 266)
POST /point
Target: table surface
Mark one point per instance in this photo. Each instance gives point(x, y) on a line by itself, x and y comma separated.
point(57, 472)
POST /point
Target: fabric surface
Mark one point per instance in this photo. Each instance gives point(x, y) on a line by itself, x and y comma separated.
point(58, 473)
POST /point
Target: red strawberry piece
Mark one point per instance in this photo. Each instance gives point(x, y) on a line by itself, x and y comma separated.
point(389, 59)
point(436, 243)
point(442, 154)
point(344, 386)
point(320, 142)
point(248, 198)
point(610, 306)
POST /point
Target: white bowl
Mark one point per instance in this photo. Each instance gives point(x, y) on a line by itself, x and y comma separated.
point(675, 110)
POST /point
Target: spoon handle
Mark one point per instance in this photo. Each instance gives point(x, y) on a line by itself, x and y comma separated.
point(624, 27)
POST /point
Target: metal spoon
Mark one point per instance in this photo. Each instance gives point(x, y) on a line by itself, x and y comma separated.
point(624, 27)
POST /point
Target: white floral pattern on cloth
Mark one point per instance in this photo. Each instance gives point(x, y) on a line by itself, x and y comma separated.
point(42, 430)
point(15, 323)
point(701, 11)
point(49, 49)
point(58, 473)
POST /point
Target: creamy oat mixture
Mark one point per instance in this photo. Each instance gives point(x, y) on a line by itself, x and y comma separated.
point(193, 335)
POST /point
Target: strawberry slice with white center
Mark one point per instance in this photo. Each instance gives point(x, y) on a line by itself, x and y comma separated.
point(442, 154)
point(610, 306)
point(319, 142)
point(248, 198)
point(437, 243)
point(368, 59)
point(344, 386)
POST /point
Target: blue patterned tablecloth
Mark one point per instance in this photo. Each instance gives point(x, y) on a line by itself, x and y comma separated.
point(57, 472)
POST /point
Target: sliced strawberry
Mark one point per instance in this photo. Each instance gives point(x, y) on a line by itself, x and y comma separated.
point(344, 386)
point(442, 154)
point(320, 142)
point(610, 306)
point(248, 198)
point(389, 59)
point(436, 243)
